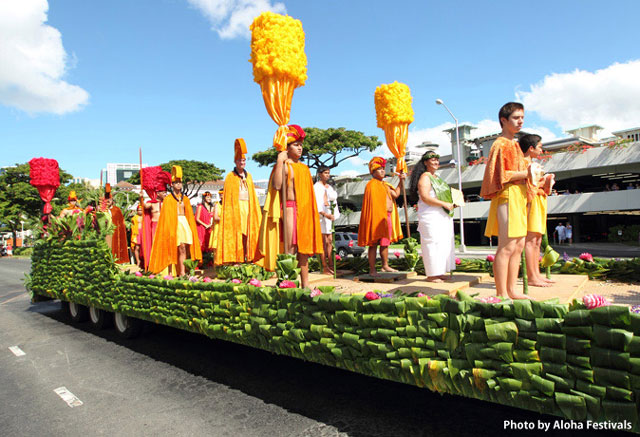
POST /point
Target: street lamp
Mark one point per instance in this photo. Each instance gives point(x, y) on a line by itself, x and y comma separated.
point(463, 248)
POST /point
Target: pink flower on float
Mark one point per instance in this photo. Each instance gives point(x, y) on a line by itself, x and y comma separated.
point(458, 261)
point(236, 281)
point(592, 301)
point(586, 257)
point(193, 278)
point(167, 277)
point(491, 258)
point(315, 292)
point(207, 279)
point(287, 284)
point(138, 274)
point(338, 257)
point(152, 276)
point(255, 282)
point(397, 254)
point(372, 296)
point(489, 299)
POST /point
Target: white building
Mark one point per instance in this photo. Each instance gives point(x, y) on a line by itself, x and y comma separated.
point(116, 172)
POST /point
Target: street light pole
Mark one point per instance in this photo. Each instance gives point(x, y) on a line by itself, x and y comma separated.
point(463, 248)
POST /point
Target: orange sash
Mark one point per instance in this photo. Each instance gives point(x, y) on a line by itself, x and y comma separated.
point(505, 158)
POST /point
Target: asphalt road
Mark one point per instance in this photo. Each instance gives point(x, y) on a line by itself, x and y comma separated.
point(173, 383)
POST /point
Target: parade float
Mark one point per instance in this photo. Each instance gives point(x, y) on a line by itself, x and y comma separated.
point(578, 360)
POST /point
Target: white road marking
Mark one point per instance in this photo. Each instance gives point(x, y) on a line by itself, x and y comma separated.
point(68, 397)
point(17, 351)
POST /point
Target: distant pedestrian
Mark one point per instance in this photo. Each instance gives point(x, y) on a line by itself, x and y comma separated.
point(559, 234)
point(568, 233)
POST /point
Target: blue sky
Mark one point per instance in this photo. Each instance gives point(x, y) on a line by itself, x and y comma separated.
point(88, 82)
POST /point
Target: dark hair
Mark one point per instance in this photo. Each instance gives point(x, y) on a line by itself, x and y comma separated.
point(416, 173)
point(508, 109)
point(529, 140)
point(323, 168)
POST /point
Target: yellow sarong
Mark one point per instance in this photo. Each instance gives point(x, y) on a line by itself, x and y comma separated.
point(183, 233)
point(244, 215)
point(537, 220)
point(516, 196)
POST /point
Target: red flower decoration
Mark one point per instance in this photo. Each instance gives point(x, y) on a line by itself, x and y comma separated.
point(372, 296)
point(491, 258)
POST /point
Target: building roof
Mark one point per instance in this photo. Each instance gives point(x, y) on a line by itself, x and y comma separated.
point(619, 132)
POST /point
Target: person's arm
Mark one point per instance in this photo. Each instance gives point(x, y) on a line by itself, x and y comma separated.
point(198, 212)
point(216, 213)
point(424, 191)
point(277, 173)
point(398, 190)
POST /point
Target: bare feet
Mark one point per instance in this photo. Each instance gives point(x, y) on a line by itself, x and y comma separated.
point(537, 283)
point(327, 271)
point(516, 296)
point(550, 281)
point(389, 269)
point(373, 273)
point(434, 279)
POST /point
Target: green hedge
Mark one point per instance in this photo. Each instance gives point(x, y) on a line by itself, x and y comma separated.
point(543, 356)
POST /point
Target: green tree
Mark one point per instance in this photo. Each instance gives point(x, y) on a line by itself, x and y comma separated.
point(20, 201)
point(194, 175)
point(326, 147)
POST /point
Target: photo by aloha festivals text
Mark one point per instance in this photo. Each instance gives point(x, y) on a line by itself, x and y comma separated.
point(202, 269)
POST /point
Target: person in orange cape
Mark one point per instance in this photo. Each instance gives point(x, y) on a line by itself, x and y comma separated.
point(155, 182)
point(176, 234)
point(504, 183)
point(303, 234)
point(379, 219)
point(73, 207)
point(118, 241)
point(240, 218)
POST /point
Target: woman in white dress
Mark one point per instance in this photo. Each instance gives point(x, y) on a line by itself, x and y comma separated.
point(435, 218)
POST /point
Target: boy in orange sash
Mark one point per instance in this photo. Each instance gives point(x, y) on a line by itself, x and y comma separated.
point(240, 219)
point(118, 241)
point(379, 219)
point(531, 146)
point(73, 207)
point(176, 233)
point(302, 223)
point(504, 184)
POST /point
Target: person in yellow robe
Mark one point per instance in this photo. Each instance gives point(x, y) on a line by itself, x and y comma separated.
point(240, 218)
point(504, 183)
point(302, 234)
point(537, 192)
point(73, 207)
point(176, 233)
point(379, 219)
point(136, 236)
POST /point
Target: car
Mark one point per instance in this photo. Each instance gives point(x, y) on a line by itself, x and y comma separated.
point(347, 244)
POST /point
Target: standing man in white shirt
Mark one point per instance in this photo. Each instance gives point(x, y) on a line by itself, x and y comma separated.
point(325, 195)
point(560, 232)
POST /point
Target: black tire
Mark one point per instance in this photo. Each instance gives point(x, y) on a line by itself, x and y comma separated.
point(100, 319)
point(342, 252)
point(78, 313)
point(127, 327)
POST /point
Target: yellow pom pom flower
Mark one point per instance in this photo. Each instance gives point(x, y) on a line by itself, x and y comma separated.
point(393, 104)
point(277, 48)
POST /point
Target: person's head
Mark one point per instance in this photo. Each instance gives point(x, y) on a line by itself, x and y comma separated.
point(295, 137)
point(176, 179)
point(221, 195)
point(206, 197)
point(511, 116)
point(139, 210)
point(431, 161)
point(531, 145)
point(239, 152)
point(568, 224)
point(109, 202)
point(73, 199)
point(324, 174)
point(161, 194)
point(377, 167)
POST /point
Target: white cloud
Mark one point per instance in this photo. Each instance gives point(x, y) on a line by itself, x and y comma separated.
point(607, 97)
point(34, 61)
point(231, 18)
point(356, 161)
point(350, 173)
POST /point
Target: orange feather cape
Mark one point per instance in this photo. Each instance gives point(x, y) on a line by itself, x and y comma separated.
point(505, 158)
point(373, 218)
point(119, 246)
point(230, 248)
point(164, 251)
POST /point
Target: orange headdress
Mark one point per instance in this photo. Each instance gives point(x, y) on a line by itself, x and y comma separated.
point(176, 173)
point(295, 133)
point(107, 191)
point(72, 196)
point(376, 163)
point(240, 149)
